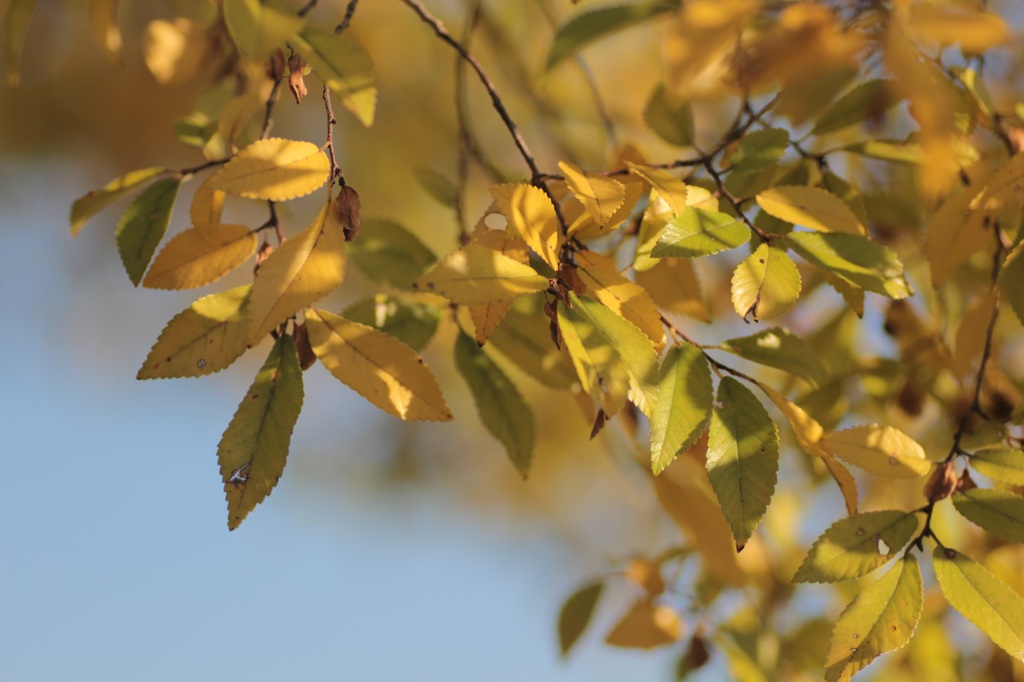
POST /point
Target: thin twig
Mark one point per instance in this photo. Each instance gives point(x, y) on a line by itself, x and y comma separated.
point(268, 120)
point(349, 11)
point(720, 184)
point(465, 141)
point(336, 172)
point(305, 10)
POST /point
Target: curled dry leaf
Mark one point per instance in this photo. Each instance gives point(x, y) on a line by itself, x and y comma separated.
point(307, 358)
point(942, 482)
point(275, 67)
point(295, 81)
point(350, 211)
point(266, 248)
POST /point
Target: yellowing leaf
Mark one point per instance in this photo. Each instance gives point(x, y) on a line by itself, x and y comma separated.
point(253, 449)
point(699, 232)
point(859, 260)
point(882, 450)
point(390, 254)
point(975, 32)
point(880, 619)
point(869, 100)
point(602, 196)
point(198, 257)
point(1011, 280)
point(952, 235)
point(684, 404)
point(671, 121)
point(523, 337)
point(670, 188)
point(857, 545)
point(258, 29)
point(997, 511)
point(143, 225)
point(766, 284)
point(103, 17)
point(759, 150)
point(205, 338)
point(477, 274)
point(502, 409)
point(176, 50)
point(95, 201)
point(673, 285)
point(207, 205)
point(301, 271)
point(743, 457)
point(19, 14)
point(981, 598)
point(1001, 464)
point(583, 226)
point(575, 614)
point(378, 367)
point(815, 208)
point(345, 67)
point(973, 333)
point(274, 169)
point(412, 323)
point(782, 349)
point(487, 316)
point(532, 215)
point(645, 626)
point(628, 299)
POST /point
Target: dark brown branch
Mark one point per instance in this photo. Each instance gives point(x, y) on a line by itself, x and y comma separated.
point(336, 173)
point(268, 113)
point(347, 19)
point(720, 184)
point(308, 6)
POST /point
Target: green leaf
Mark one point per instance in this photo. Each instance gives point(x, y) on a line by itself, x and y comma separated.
point(1011, 280)
point(997, 511)
point(882, 450)
point(981, 598)
point(389, 254)
point(881, 618)
point(412, 323)
point(684, 404)
point(699, 232)
point(672, 122)
point(588, 27)
point(782, 349)
point(502, 409)
point(204, 338)
point(743, 457)
point(894, 151)
point(812, 207)
point(258, 29)
point(766, 284)
point(19, 14)
point(857, 259)
point(143, 225)
point(856, 545)
point(869, 100)
point(95, 201)
point(253, 449)
point(1000, 464)
point(437, 185)
point(345, 67)
point(523, 337)
point(576, 613)
point(759, 150)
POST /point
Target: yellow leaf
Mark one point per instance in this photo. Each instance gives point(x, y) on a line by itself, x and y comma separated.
point(103, 17)
point(671, 189)
point(487, 316)
point(174, 51)
point(583, 225)
point(238, 120)
point(975, 32)
point(700, 44)
point(970, 338)
point(811, 207)
point(673, 285)
point(602, 196)
point(207, 205)
point(882, 450)
point(304, 269)
point(628, 299)
point(809, 434)
point(95, 201)
point(477, 274)
point(766, 284)
point(377, 366)
point(345, 67)
point(203, 339)
point(646, 625)
point(954, 233)
point(532, 215)
point(275, 169)
point(198, 257)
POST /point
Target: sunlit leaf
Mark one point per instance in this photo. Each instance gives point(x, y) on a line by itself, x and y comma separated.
point(198, 257)
point(477, 274)
point(857, 545)
point(954, 234)
point(588, 27)
point(95, 201)
point(275, 169)
point(867, 264)
point(412, 323)
point(576, 613)
point(628, 299)
point(531, 215)
point(814, 208)
point(390, 254)
point(780, 348)
point(673, 286)
point(301, 271)
point(584, 226)
point(487, 316)
point(645, 626)
point(671, 189)
point(143, 225)
point(981, 598)
point(882, 450)
point(868, 101)
point(378, 367)
point(175, 51)
point(204, 338)
point(501, 406)
point(602, 196)
point(698, 232)
point(766, 284)
point(19, 14)
point(684, 404)
point(258, 29)
point(974, 31)
point(997, 511)
point(881, 618)
point(743, 457)
point(103, 17)
point(1001, 464)
point(207, 205)
point(345, 67)
point(671, 121)
point(759, 150)
point(972, 335)
point(253, 449)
